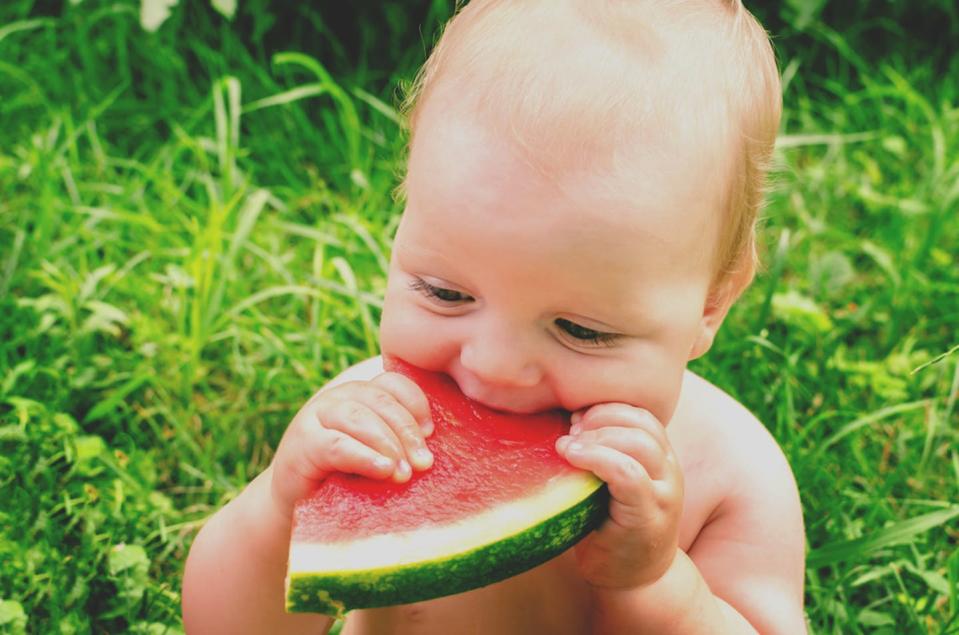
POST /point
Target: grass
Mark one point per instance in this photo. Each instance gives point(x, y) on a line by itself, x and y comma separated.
point(194, 235)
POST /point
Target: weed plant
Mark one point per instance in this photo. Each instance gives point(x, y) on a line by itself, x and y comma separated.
point(194, 230)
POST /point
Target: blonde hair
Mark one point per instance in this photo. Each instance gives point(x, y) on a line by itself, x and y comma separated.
point(606, 71)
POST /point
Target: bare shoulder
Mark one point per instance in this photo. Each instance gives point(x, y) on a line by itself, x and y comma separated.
point(746, 531)
point(715, 429)
point(361, 371)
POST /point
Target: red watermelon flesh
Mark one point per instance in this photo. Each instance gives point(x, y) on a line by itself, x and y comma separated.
point(481, 456)
point(484, 460)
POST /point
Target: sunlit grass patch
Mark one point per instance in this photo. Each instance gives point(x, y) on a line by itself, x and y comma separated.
point(194, 234)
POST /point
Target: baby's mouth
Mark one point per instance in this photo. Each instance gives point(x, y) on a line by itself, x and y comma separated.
point(489, 399)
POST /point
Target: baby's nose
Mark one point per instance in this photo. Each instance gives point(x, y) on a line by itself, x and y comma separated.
point(500, 361)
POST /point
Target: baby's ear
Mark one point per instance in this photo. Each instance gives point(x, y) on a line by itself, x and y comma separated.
point(717, 305)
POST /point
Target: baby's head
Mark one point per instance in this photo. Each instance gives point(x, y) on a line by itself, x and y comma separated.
point(582, 189)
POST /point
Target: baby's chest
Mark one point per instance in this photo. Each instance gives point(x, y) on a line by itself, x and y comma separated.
point(551, 599)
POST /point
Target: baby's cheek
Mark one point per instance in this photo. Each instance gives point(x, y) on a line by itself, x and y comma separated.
point(663, 390)
point(653, 386)
point(410, 333)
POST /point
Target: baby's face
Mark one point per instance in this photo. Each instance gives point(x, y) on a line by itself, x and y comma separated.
point(534, 296)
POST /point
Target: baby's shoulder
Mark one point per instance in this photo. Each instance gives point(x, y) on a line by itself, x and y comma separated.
point(713, 427)
point(742, 518)
point(731, 463)
point(361, 371)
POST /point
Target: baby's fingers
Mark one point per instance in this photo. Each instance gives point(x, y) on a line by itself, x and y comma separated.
point(339, 452)
point(357, 420)
point(307, 455)
point(628, 481)
point(403, 425)
point(634, 443)
point(620, 415)
point(410, 396)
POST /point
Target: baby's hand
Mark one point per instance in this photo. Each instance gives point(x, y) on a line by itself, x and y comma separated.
point(373, 428)
point(627, 447)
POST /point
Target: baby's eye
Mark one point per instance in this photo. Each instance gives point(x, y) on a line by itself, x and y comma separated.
point(583, 334)
point(439, 293)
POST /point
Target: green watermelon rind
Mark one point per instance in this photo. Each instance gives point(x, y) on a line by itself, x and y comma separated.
point(335, 593)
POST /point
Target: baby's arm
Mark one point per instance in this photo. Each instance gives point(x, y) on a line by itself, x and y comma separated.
point(742, 575)
point(234, 577)
point(744, 571)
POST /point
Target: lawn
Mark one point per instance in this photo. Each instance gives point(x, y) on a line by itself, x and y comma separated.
point(194, 229)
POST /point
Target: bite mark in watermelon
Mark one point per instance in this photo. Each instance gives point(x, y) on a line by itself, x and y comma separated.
point(497, 501)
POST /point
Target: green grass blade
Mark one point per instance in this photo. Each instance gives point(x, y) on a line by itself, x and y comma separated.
point(878, 415)
point(897, 533)
point(286, 97)
point(936, 359)
point(784, 142)
point(118, 396)
point(778, 266)
point(24, 25)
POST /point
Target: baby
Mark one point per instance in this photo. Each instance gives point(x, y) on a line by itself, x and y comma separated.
point(582, 188)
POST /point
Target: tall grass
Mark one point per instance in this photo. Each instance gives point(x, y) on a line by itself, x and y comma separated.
point(194, 231)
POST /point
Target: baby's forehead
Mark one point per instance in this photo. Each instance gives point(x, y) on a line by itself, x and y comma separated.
point(573, 95)
point(465, 167)
point(655, 170)
point(651, 95)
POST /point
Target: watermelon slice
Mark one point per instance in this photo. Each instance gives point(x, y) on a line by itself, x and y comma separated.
point(498, 501)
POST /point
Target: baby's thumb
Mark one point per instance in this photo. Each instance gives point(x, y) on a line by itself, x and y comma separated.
point(302, 463)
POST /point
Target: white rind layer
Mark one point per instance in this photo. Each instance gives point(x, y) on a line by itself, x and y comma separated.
point(439, 542)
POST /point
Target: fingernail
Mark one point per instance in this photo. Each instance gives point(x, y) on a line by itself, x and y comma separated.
point(403, 471)
point(383, 463)
point(574, 447)
point(427, 428)
point(577, 416)
point(561, 443)
point(575, 428)
point(422, 457)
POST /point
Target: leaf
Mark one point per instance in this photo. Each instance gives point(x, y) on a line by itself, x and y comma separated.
point(154, 628)
point(23, 368)
point(129, 567)
point(831, 272)
point(117, 396)
point(894, 144)
point(286, 97)
point(89, 287)
point(872, 417)
point(89, 446)
point(935, 360)
point(805, 12)
point(897, 533)
point(123, 557)
point(883, 259)
point(13, 619)
point(868, 617)
point(379, 106)
point(24, 25)
point(226, 8)
point(802, 311)
point(153, 13)
point(250, 211)
point(104, 318)
point(12, 433)
point(799, 140)
point(25, 409)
